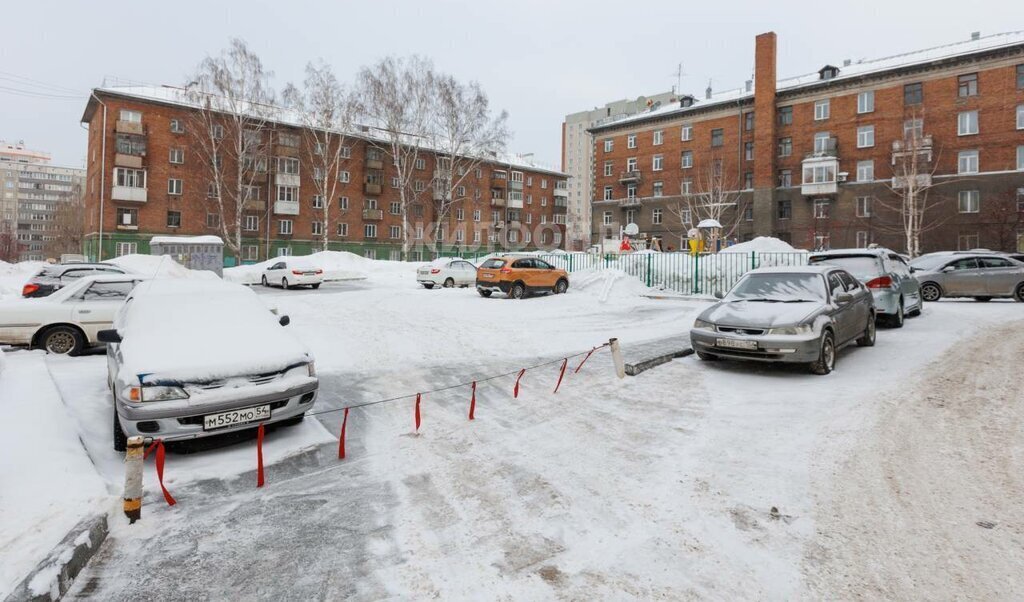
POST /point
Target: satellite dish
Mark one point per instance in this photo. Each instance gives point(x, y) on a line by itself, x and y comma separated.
point(631, 229)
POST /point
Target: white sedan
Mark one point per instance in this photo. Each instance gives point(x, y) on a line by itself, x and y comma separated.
point(67, 321)
point(288, 273)
point(447, 272)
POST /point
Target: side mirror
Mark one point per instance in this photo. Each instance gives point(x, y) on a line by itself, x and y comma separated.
point(844, 298)
point(948, 269)
point(108, 336)
point(719, 295)
point(284, 321)
point(912, 269)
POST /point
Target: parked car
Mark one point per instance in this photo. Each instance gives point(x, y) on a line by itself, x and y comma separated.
point(518, 277)
point(447, 272)
point(67, 321)
point(983, 276)
point(886, 274)
point(287, 273)
point(54, 277)
point(193, 358)
point(787, 314)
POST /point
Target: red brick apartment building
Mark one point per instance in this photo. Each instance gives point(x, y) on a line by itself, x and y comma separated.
point(822, 160)
point(149, 178)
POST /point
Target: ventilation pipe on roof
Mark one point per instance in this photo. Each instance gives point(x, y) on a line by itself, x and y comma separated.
point(707, 92)
point(749, 85)
point(846, 62)
point(975, 35)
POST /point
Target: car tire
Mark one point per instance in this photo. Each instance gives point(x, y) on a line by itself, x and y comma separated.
point(428, 286)
point(561, 286)
point(983, 299)
point(518, 291)
point(931, 292)
point(120, 439)
point(62, 340)
point(449, 283)
point(826, 361)
point(284, 283)
point(867, 339)
point(707, 357)
point(315, 286)
point(897, 320)
point(1018, 293)
point(263, 281)
point(920, 307)
point(484, 293)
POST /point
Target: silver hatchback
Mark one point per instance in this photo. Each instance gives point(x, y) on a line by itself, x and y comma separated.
point(982, 276)
point(886, 274)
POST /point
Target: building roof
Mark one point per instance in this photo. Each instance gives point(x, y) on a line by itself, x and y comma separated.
point(850, 71)
point(173, 95)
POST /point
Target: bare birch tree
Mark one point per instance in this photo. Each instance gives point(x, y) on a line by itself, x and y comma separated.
point(715, 197)
point(232, 131)
point(465, 135)
point(395, 100)
point(324, 109)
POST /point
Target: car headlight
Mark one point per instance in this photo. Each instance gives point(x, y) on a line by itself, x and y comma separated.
point(801, 329)
point(698, 323)
point(161, 393)
point(312, 368)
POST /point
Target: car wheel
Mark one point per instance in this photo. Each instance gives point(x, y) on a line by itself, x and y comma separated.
point(826, 361)
point(561, 286)
point(315, 286)
point(63, 340)
point(263, 281)
point(868, 338)
point(707, 357)
point(120, 439)
point(931, 292)
point(449, 283)
point(920, 307)
point(284, 283)
point(518, 291)
point(428, 285)
point(1018, 294)
point(983, 299)
point(484, 293)
point(896, 321)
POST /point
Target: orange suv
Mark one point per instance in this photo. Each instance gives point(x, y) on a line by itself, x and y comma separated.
point(520, 276)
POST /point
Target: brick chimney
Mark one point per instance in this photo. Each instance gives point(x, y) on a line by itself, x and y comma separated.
point(764, 133)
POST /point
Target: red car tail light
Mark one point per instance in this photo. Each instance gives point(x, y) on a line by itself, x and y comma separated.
point(880, 282)
point(297, 272)
point(505, 270)
point(435, 270)
point(319, 271)
point(28, 289)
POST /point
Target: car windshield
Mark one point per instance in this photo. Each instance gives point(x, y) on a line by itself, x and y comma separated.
point(778, 288)
point(863, 267)
point(493, 264)
point(929, 262)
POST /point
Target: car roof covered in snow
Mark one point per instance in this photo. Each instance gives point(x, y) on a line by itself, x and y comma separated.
point(875, 252)
point(796, 269)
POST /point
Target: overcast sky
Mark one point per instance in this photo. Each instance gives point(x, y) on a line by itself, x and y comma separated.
point(538, 59)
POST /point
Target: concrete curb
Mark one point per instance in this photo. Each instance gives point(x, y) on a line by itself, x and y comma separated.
point(58, 570)
point(644, 365)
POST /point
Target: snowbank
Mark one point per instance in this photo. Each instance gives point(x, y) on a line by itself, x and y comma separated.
point(763, 244)
point(337, 265)
point(608, 285)
point(158, 266)
point(14, 275)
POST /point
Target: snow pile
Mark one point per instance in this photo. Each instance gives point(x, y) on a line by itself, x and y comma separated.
point(337, 265)
point(763, 244)
point(14, 275)
point(47, 483)
point(156, 266)
point(607, 285)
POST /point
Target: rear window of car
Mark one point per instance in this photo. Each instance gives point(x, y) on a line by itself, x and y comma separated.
point(863, 267)
point(493, 264)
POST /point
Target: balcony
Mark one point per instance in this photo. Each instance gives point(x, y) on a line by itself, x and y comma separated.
point(372, 188)
point(286, 207)
point(515, 185)
point(923, 180)
point(630, 201)
point(629, 177)
point(824, 147)
point(820, 175)
point(128, 193)
point(287, 179)
point(123, 160)
point(500, 225)
point(911, 145)
point(514, 203)
point(497, 202)
point(514, 224)
point(255, 206)
point(560, 209)
point(129, 127)
point(561, 193)
point(373, 214)
point(374, 163)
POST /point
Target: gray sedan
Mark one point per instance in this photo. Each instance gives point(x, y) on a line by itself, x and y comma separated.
point(787, 314)
point(886, 274)
point(982, 276)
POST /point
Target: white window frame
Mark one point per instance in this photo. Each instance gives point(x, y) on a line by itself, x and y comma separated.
point(686, 160)
point(822, 109)
point(686, 132)
point(631, 141)
point(1020, 158)
point(866, 171)
point(176, 156)
point(863, 206)
point(130, 116)
point(657, 162)
point(369, 230)
point(127, 248)
point(968, 161)
point(865, 136)
point(252, 223)
point(822, 208)
point(608, 193)
point(967, 123)
point(343, 229)
point(609, 144)
point(1020, 117)
point(609, 168)
point(656, 215)
point(968, 201)
point(863, 239)
point(316, 228)
point(174, 186)
point(285, 226)
point(866, 102)
point(658, 138)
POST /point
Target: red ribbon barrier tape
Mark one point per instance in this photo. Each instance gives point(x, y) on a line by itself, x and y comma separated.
point(417, 412)
point(561, 374)
point(515, 390)
point(159, 445)
point(472, 403)
point(341, 440)
point(259, 456)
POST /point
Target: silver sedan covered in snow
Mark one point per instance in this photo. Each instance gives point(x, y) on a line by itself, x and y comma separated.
point(791, 314)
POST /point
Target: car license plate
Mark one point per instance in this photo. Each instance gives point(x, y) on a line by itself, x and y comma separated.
point(736, 343)
point(226, 419)
point(487, 274)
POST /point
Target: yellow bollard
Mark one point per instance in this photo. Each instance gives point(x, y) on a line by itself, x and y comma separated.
point(133, 479)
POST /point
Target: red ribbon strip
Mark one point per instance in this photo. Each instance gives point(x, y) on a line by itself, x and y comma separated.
point(259, 456)
point(472, 402)
point(417, 412)
point(515, 390)
point(561, 374)
point(341, 440)
point(159, 445)
point(585, 360)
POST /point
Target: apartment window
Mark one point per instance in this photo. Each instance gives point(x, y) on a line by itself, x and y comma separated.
point(821, 208)
point(250, 252)
point(862, 239)
point(657, 162)
point(1020, 200)
point(785, 178)
point(316, 228)
point(967, 162)
point(529, 218)
point(969, 201)
point(863, 206)
point(1020, 158)
point(177, 127)
point(785, 147)
point(687, 132)
point(211, 190)
point(396, 232)
point(127, 248)
point(608, 167)
point(177, 156)
point(174, 186)
point(631, 216)
point(606, 218)
point(687, 159)
point(342, 229)
point(252, 223)
point(287, 194)
point(967, 85)
point(396, 182)
point(132, 116)
point(748, 151)
point(284, 251)
point(865, 136)
point(967, 123)
point(419, 186)
point(370, 203)
point(131, 178)
point(717, 137)
point(608, 145)
point(966, 242)
point(631, 164)
point(370, 231)
point(174, 219)
point(343, 203)
point(1020, 77)
point(865, 171)
point(476, 236)
point(318, 201)
point(288, 165)
point(659, 188)
point(212, 220)
point(822, 109)
point(784, 209)
point(785, 115)
point(913, 94)
point(420, 163)
point(748, 213)
point(217, 132)
point(291, 140)
point(659, 137)
point(631, 191)
point(686, 186)
point(823, 142)
point(631, 141)
point(607, 193)
point(656, 216)
point(476, 215)
point(819, 174)
point(866, 102)
point(396, 208)
point(748, 121)
point(748, 180)
point(913, 129)
point(127, 217)
point(460, 214)
point(1020, 117)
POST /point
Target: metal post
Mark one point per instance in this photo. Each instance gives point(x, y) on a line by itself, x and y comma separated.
point(620, 365)
point(650, 257)
point(133, 479)
point(753, 260)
